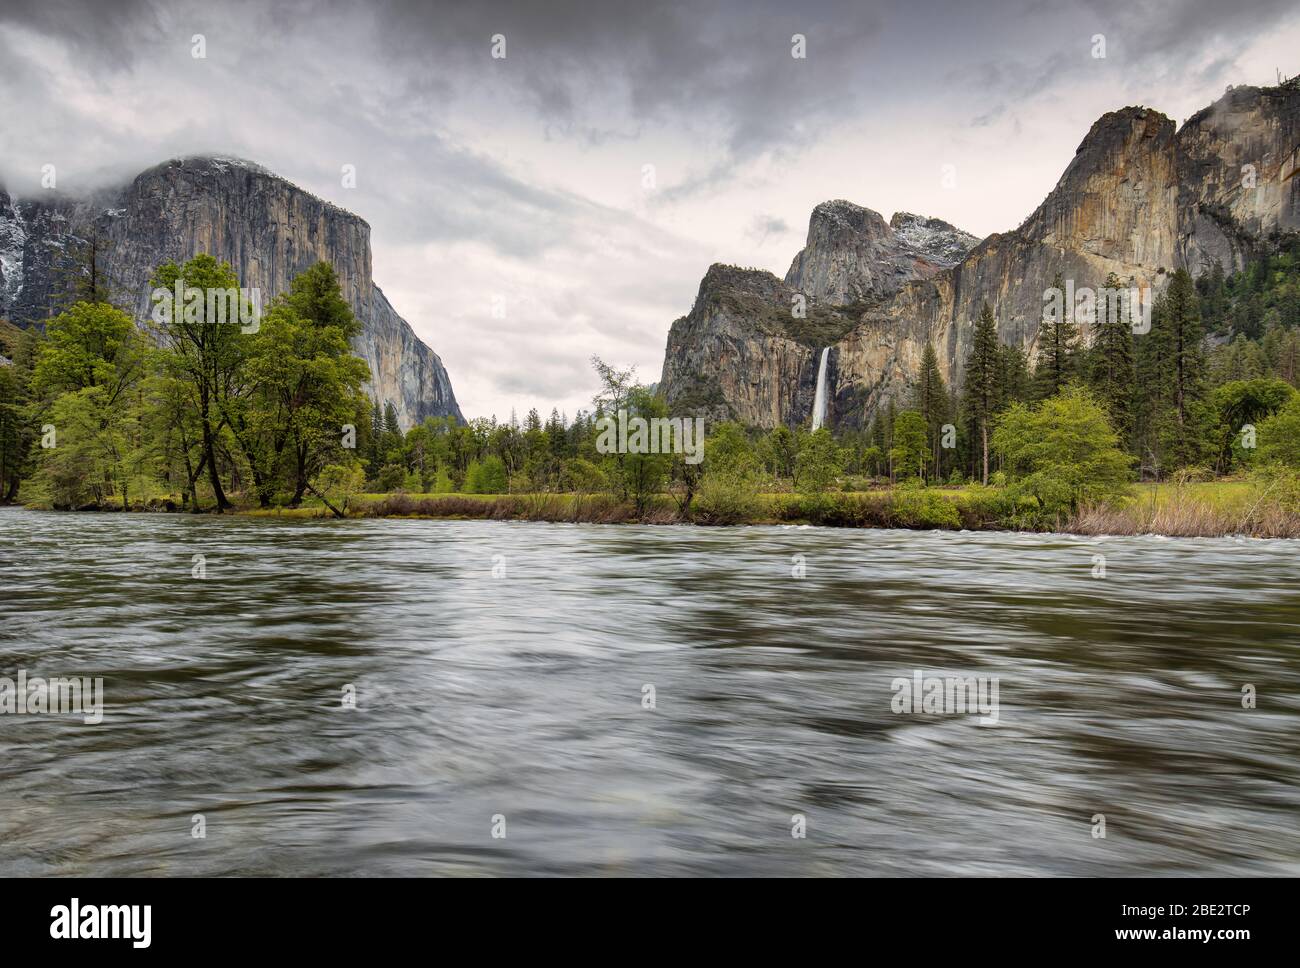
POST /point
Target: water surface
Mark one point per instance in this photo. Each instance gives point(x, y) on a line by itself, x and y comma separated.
point(499, 672)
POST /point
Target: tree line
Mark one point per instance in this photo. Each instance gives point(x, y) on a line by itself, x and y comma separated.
point(196, 410)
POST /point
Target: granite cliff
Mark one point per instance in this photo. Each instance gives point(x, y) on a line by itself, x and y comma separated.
point(268, 229)
point(1139, 199)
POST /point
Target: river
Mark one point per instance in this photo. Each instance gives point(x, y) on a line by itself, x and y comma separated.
point(580, 699)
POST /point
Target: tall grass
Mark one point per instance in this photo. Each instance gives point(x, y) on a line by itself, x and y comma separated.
point(1259, 508)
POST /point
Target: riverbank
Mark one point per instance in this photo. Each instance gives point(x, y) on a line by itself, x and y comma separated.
point(1204, 510)
point(1210, 509)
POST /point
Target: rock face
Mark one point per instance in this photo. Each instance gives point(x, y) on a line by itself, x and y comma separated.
point(1139, 199)
point(741, 354)
point(268, 229)
point(853, 255)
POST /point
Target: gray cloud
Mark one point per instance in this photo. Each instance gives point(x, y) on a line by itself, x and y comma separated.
point(765, 227)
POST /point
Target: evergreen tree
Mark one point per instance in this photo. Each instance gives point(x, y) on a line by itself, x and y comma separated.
point(1174, 426)
point(1112, 372)
point(1188, 361)
point(1014, 382)
point(1057, 344)
point(981, 384)
point(930, 400)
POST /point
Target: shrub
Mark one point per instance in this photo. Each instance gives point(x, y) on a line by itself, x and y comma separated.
point(583, 476)
point(916, 508)
point(340, 483)
point(726, 498)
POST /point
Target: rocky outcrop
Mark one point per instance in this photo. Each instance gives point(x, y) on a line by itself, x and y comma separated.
point(853, 255)
point(13, 239)
point(1140, 199)
point(742, 353)
point(268, 229)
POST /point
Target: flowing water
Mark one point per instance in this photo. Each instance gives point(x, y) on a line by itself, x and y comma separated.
point(500, 671)
point(819, 400)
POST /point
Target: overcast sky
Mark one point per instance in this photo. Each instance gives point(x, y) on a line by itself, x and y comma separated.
point(523, 179)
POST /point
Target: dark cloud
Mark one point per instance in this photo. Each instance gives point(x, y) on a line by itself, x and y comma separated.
point(585, 67)
point(103, 32)
point(765, 227)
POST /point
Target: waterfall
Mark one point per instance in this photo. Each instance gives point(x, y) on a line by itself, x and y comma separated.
point(819, 404)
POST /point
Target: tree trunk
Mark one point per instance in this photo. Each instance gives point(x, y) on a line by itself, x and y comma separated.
point(326, 502)
point(192, 475)
point(984, 433)
point(209, 453)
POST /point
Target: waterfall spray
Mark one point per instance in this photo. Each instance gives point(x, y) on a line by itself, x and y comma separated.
point(819, 404)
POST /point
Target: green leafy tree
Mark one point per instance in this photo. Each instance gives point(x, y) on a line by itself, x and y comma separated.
point(205, 354)
point(1063, 451)
point(633, 474)
point(780, 450)
point(1278, 436)
point(18, 426)
point(1242, 405)
point(90, 345)
point(911, 451)
point(819, 462)
point(487, 476)
point(729, 450)
point(86, 373)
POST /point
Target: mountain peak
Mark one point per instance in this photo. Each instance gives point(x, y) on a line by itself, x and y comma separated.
point(853, 255)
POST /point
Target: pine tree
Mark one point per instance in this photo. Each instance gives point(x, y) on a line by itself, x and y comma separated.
point(1171, 414)
point(1014, 382)
point(981, 383)
point(1058, 343)
point(930, 400)
point(375, 455)
point(79, 275)
point(1112, 371)
point(1187, 344)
